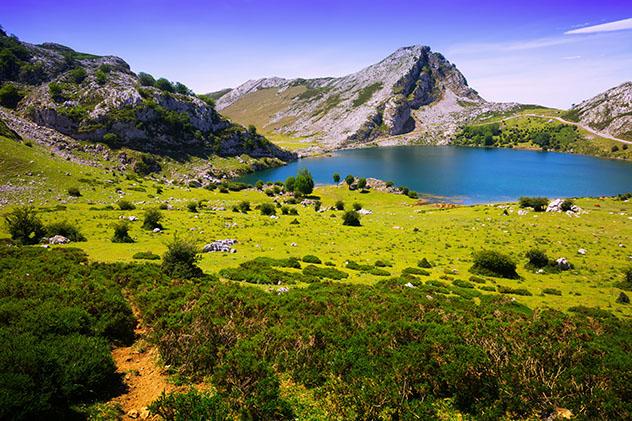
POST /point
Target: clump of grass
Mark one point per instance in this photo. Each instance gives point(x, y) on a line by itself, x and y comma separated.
point(493, 263)
point(121, 233)
point(146, 255)
point(125, 205)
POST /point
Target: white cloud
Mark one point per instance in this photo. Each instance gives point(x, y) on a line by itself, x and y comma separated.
point(618, 25)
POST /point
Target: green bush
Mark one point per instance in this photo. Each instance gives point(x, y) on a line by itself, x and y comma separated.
point(415, 271)
point(551, 291)
point(24, 225)
point(289, 184)
point(121, 233)
point(244, 206)
point(340, 205)
point(267, 209)
point(56, 92)
point(304, 183)
point(516, 291)
point(77, 75)
point(328, 272)
point(164, 85)
point(623, 298)
point(180, 260)
point(146, 79)
point(357, 206)
point(74, 191)
point(626, 283)
point(310, 258)
point(192, 207)
point(152, 219)
point(462, 284)
point(567, 205)
point(125, 205)
point(336, 178)
point(424, 263)
point(351, 218)
point(537, 258)
point(478, 279)
point(349, 180)
point(65, 229)
point(192, 405)
point(145, 255)
point(10, 96)
point(493, 263)
point(538, 204)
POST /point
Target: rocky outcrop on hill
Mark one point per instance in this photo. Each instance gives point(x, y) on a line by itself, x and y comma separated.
point(390, 98)
point(99, 99)
point(609, 112)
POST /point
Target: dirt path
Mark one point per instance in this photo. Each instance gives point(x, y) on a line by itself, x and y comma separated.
point(582, 126)
point(143, 376)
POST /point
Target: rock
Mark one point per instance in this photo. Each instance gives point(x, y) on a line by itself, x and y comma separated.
point(58, 239)
point(282, 290)
point(581, 251)
point(133, 414)
point(365, 212)
point(157, 230)
point(293, 245)
point(409, 285)
point(522, 212)
point(220, 245)
point(132, 218)
point(563, 263)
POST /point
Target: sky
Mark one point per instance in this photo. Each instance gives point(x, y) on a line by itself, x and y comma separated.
point(553, 53)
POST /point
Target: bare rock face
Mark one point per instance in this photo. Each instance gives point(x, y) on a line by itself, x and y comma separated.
point(382, 100)
point(610, 111)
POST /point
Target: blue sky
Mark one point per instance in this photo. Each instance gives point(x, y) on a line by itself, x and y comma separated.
point(509, 51)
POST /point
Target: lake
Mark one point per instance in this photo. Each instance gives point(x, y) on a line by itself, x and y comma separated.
point(469, 175)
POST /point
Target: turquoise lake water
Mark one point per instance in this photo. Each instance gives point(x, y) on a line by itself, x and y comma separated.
point(469, 175)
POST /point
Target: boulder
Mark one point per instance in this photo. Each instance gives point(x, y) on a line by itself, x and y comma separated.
point(220, 245)
point(563, 263)
point(58, 239)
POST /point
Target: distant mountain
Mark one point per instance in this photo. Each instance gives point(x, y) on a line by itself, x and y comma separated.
point(610, 111)
point(99, 99)
point(414, 91)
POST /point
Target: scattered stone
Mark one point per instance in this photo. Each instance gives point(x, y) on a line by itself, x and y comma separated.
point(282, 290)
point(293, 245)
point(133, 414)
point(365, 212)
point(58, 239)
point(409, 285)
point(220, 245)
point(522, 212)
point(581, 251)
point(157, 229)
point(563, 263)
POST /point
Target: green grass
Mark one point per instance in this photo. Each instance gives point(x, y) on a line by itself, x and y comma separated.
point(366, 93)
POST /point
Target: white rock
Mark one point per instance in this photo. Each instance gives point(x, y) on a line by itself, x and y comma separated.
point(409, 285)
point(581, 251)
point(157, 230)
point(58, 239)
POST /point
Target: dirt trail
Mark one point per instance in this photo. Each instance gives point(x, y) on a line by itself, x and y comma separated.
point(144, 378)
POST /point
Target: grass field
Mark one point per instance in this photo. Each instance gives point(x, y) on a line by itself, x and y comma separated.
point(399, 230)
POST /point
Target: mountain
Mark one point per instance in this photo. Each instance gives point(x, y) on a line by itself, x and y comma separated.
point(609, 112)
point(414, 92)
point(98, 99)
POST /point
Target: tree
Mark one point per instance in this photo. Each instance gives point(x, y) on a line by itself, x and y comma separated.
point(304, 182)
point(351, 219)
point(362, 183)
point(290, 182)
point(152, 219)
point(24, 225)
point(179, 261)
point(146, 79)
point(349, 180)
point(164, 85)
point(336, 178)
point(181, 88)
point(10, 96)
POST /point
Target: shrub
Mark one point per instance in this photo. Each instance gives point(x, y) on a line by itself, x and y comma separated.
point(244, 206)
point(336, 178)
point(340, 205)
point(192, 207)
point(74, 191)
point(310, 258)
point(304, 183)
point(538, 204)
point(551, 291)
point(10, 96)
point(567, 205)
point(537, 259)
point(152, 219)
point(146, 79)
point(164, 85)
point(357, 206)
point(349, 180)
point(378, 272)
point(493, 263)
point(462, 284)
point(362, 183)
point(289, 184)
point(192, 405)
point(415, 271)
point(317, 205)
point(56, 92)
point(328, 272)
point(626, 283)
point(259, 184)
point(351, 219)
point(267, 209)
point(24, 225)
point(101, 77)
point(478, 279)
point(383, 263)
point(623, 298)
point(180, 260)
point(121, 233)
point(125, 205)
point(77, 75)
point(515, 291)
point(65, 229)
point(146, 255)
point(424, 263)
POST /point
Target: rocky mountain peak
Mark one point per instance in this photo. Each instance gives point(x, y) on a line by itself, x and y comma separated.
point(610, 111)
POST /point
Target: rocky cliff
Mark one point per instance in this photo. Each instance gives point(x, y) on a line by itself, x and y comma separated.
point(610, 111)
point(99, 99)
point(413, 91)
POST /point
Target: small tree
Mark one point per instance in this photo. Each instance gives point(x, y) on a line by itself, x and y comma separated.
point(537, 258)
point(244, 206)
point(164, 85)
point(493, 263)
point(125, 205)
point(362, 183)
point(340, 205)
point(74, 191)
point(24, 225)
point(349, 180)
point(336, 178)
point(192, 207)
point(152, 219)
point(290, 182)
point(304, 182)
point(181, 88)
point(121, 233)
point(351, 218)
point(180, 260)
point(267, 209)
point(357, 206)
point(146, 79)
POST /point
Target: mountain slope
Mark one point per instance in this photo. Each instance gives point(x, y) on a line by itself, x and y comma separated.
point(99, 99)
point(609, 112)
point(413, 91)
